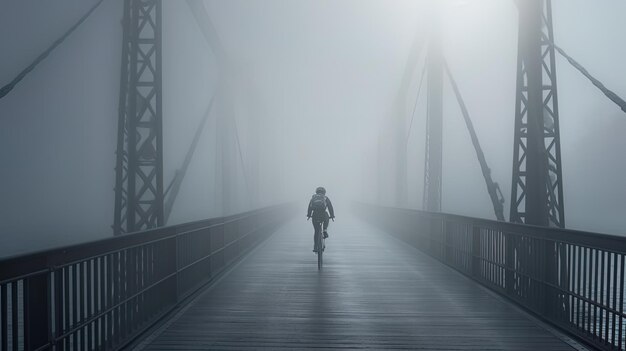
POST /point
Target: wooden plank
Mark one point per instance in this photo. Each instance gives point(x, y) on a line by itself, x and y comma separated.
point(374, 292)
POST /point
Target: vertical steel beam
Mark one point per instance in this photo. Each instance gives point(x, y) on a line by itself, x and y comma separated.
point(401, 166)
point(536, 188)
point(400, 128)
point(37, 299)
point(255, 138)
point(434, 122)
point(225, 165)
point(229, 160)
point(139, 166)
point(379, 170)
point(121, 164)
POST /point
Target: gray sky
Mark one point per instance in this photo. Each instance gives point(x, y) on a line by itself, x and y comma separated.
point(327, 74)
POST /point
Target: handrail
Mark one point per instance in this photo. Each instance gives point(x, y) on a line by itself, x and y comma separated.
point(103, 294)
point(593, 239)
point(573, 279)
point(71, 253)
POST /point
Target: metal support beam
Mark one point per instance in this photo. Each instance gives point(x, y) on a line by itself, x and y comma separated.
point(434, 123)
point(226, 167)
point(172, 191)
point(492, 187)
point(537, 187)
point(400, 128)
point(255, 144)
point(139, 167)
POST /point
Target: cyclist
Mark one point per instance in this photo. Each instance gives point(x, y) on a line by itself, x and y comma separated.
point(317, 209)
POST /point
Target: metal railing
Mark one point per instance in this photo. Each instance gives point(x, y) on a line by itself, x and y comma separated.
point(102, 295)
point(573, 279)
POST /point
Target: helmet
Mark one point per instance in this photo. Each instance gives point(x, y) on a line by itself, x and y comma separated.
point(320, 190)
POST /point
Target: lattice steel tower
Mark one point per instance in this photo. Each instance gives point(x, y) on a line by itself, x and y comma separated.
point(537, 185)
point(434, 120)
point(139, 166)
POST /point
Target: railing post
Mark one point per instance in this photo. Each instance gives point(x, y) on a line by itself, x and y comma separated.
point(56, 306)
point(177, 266)
point(441, 239)
point(37, 316)
point(509, 262)
point(444, 240)
point(564, 280)
point(476, 258)
point(548, 275)
point(428, 232)
point(431, 236)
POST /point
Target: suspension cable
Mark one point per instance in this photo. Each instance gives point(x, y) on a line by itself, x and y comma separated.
point(7, 88)
point(212, 39)
point(174, 187)
point(493, 188)
point(208, 30)
point(606, 91)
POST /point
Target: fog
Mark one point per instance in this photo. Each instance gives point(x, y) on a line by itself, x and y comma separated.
point(316, 90)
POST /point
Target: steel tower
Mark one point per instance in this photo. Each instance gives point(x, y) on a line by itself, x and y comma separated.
point(434, 120)
point(139, 166)
point(537, 185)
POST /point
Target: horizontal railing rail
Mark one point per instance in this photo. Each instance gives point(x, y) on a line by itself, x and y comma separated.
point(103, 294)
point(573, 279)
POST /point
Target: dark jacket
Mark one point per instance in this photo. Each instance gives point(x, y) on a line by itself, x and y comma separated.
point(329, 207)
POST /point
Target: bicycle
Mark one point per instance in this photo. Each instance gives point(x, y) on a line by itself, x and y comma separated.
point(319, 242)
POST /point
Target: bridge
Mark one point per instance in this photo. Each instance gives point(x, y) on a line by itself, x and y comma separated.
point(395, 276)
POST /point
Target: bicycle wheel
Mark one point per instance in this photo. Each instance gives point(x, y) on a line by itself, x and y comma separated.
point(320, 255)
point(320, 247)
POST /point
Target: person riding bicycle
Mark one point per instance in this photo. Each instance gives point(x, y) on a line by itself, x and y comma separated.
point(317, 209)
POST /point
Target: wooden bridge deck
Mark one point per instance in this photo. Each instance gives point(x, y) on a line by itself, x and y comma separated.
point(374, 293)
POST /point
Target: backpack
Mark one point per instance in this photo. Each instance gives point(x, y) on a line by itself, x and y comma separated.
point(318, 203)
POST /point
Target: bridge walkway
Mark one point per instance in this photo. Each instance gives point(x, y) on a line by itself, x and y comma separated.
point(374, 292)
